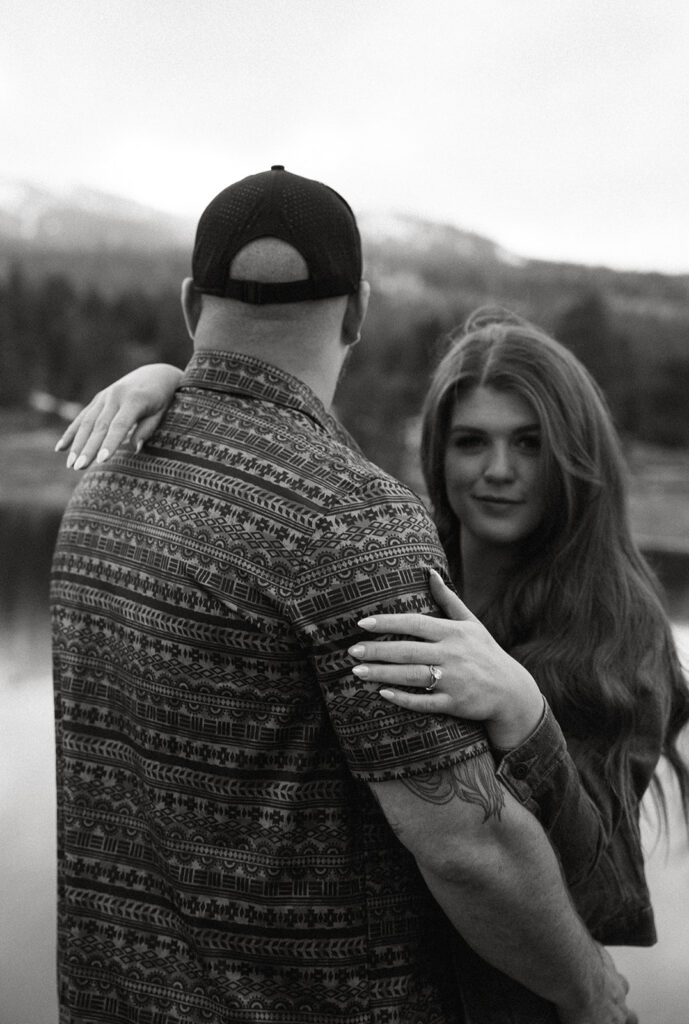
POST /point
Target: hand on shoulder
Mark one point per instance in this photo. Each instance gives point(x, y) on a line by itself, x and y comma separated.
point(130, 410)
point(462, 670)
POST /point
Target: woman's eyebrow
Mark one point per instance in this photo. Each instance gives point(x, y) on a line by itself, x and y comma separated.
point(471, 428)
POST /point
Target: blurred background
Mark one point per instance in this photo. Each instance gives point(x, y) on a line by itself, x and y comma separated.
point(527, 154)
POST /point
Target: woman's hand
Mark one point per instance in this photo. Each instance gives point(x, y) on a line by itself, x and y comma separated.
point(128, 410)
point(477, 679)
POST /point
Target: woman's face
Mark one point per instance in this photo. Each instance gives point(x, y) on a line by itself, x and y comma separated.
point(494, 472)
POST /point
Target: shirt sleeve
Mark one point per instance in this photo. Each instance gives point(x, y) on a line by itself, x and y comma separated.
point(375, 560)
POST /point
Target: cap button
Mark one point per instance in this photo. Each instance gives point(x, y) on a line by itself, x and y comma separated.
point(277, 167)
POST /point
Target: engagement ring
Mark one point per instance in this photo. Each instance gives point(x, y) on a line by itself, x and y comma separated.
point(436, 674)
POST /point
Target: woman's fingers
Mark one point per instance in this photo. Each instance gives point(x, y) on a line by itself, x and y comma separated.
point(424, 703)
point(447, 600)
point(99, 431)
point(105, 424)
point(90, 431)
point(146, 428)
point(418, 676)
point(69, 434)
point(397, 652)
point(123, 426)
point(427, 627)
point(131, 407)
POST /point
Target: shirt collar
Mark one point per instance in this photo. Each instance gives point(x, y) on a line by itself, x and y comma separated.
point(241, 374)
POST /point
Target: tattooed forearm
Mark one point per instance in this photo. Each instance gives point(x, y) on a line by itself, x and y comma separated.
point(473, 781)
point(392, 822)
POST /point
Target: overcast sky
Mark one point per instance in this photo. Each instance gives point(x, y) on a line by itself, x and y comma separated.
point(558, 128)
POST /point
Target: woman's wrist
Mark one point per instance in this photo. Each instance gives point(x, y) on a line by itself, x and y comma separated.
point(513, 727)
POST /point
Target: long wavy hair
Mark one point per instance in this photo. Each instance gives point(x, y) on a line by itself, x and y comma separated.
point(581, 609)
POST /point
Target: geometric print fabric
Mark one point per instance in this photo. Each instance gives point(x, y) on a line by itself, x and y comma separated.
point(221, 858)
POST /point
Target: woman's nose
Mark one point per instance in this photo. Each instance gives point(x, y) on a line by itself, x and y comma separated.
point(499, 465)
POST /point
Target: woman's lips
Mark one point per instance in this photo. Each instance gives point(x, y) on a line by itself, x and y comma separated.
point(494, 500)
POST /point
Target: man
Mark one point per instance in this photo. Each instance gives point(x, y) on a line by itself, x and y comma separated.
point(245, 830)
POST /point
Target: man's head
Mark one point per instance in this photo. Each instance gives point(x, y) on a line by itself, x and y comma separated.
point(277, 271)
point(306, 215)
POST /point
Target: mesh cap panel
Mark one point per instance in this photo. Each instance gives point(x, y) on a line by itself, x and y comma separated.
point(305, 214)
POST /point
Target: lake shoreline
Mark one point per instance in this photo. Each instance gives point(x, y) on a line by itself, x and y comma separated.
point(34, 475)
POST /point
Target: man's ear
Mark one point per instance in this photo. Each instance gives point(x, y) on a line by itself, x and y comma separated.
point(355, 313)
point(191, 305)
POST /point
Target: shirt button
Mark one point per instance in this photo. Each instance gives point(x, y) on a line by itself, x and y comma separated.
point(520, 771)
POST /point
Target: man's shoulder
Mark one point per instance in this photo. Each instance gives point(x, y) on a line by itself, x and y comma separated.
point(364, 511)
point(357, 478)
point(346, 475)
point(311, 467)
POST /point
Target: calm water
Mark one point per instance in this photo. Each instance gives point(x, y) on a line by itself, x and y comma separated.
point(659, 977)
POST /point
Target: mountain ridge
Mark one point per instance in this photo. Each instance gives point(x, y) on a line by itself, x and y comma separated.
point(115, 243)
point(86, 218)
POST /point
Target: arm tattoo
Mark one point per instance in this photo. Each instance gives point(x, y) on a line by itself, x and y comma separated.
point(393, 823)
point(472, 780)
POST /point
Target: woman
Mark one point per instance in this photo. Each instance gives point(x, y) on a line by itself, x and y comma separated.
point(525, 477)
point(526, 480)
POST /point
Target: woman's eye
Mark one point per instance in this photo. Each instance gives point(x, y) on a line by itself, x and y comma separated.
point(467, 441)
point(530, 443)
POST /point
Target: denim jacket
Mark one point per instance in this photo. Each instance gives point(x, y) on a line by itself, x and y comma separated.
point(561, 782)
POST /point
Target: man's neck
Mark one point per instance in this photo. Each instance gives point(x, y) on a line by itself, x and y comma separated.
point(315, 366)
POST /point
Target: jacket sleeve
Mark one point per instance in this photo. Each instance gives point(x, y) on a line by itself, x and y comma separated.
point(560, 780)
point(542, 774)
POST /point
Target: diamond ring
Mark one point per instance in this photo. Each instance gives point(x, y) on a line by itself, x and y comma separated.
point(436, 675)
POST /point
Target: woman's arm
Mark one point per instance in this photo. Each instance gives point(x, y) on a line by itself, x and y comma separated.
point(128, 410)
point(480, 681)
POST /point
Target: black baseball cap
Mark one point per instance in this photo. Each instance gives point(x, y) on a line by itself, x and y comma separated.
point(306, 214)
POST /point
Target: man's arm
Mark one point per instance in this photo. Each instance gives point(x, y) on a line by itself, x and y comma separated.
point(490, 866)
point(484, 857)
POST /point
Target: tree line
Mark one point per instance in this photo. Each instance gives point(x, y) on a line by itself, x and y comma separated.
point(70, 342)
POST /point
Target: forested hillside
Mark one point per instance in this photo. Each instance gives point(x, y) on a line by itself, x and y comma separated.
point(74, 317)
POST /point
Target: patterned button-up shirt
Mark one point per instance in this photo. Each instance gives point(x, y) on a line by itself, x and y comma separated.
point(221, 858)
